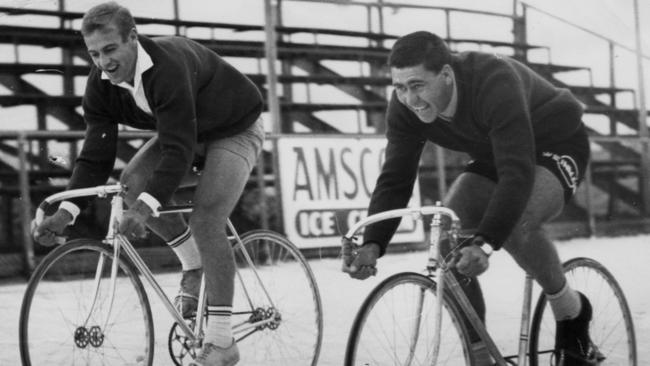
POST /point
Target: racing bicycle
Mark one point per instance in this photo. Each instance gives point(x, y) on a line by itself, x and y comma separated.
point(85, 303)
point(424, 318)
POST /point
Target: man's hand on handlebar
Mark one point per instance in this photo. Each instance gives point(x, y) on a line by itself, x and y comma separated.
point(52, 227)
point(133, 220)
point(472, 261)
point(364, 262)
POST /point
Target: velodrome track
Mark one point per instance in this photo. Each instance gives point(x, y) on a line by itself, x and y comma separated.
point(627, 258)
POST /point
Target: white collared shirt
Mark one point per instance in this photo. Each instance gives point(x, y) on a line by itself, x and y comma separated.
point(143, 63)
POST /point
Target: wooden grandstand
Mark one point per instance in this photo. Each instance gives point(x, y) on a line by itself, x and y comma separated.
point(618, 172)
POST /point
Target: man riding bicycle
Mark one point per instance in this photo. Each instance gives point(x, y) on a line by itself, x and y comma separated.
point(200, 107)
point(528, 148)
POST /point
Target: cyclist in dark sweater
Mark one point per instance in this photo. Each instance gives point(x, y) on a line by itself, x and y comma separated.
point(201, 108)
point(528, 149)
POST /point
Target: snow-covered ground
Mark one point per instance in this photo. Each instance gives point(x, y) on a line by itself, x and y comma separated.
point(628, 258)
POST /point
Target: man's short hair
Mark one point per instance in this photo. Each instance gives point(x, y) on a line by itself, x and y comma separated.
point(102, 16)
point(420, 48)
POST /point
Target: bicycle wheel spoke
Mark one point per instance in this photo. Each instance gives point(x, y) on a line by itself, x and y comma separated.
point(65, 321)
point(395, 326)
point(611, 328)
point(277, 269)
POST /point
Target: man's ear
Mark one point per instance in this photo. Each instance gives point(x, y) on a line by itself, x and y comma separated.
point(448, 74)
point(133, 34)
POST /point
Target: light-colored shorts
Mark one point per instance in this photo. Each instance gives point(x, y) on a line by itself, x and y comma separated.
point(247, 144)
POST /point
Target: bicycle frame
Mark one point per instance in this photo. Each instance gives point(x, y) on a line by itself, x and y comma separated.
point(120, 243)
point(444, 222)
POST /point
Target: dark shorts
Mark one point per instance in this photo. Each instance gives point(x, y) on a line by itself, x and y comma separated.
point(566, 160)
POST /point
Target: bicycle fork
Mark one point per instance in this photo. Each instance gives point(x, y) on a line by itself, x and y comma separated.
point(97, 281)
point(115, 214)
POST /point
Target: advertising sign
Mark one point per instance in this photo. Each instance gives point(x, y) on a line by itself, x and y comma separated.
point(326, 187)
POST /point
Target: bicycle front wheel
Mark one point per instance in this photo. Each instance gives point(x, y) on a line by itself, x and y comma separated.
point(611, 328)
point(278, 291)
point(395, 326)
point(68, 316)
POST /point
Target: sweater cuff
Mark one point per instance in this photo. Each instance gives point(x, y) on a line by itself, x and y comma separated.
point(150, 201)
point(72, 209)
point(487, 239)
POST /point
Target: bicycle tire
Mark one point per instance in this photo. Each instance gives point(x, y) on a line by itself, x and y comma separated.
point(611, 329)
point(53, 329)
point(295, 339)
point(369, 343)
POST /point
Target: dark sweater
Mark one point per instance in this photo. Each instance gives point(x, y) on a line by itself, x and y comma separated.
point(194, 95)
point(505, 112)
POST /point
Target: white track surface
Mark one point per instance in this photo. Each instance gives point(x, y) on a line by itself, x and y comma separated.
point(628, 258)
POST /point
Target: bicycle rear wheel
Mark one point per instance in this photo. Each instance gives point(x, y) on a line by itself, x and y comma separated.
point(395, 326)
point(611, 328)
point(293, 333)
point(63, 320)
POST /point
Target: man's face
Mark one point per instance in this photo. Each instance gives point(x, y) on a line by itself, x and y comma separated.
point(113, 55)
point(424, 92)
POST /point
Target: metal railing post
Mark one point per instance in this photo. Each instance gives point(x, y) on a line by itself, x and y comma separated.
point(271, 13)
point(26, 205)
point(177, 29)
point(613, 129)
point(519, 31)
point(591, 216)
point(643, 114)
point(380, 21)
point(270, 48)
point(448, 23)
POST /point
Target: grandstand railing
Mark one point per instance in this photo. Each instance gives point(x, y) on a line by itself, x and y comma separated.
point(376, 49)
point(23, 139)
point(640, 107)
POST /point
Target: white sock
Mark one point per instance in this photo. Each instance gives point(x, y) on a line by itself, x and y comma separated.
point(565, 304)
point(219, 328)
point(186, 250)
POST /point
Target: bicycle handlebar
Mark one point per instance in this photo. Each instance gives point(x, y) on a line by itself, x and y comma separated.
point(348, 250)
point(391, 214)
point(102, 190)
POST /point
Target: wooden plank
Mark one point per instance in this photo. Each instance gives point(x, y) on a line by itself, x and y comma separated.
point(43, 68)
point(68, 38)
point(598, 90)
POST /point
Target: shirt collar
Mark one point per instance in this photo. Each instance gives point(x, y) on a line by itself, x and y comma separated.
point(143, 63)
point(450, 111)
